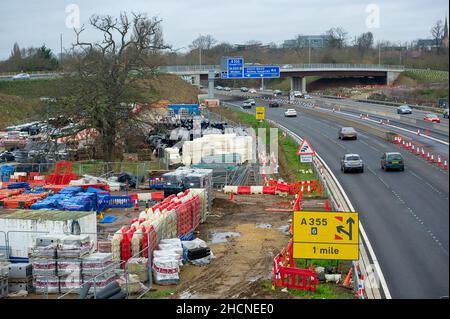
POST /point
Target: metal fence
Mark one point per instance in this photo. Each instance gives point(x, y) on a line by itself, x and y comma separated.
point(101, 169)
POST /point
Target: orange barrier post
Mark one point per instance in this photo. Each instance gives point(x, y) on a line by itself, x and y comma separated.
point(327, 205)
point(347, 279)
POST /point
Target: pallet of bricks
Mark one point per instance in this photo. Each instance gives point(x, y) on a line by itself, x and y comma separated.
point(98, 270)
point(57, 263)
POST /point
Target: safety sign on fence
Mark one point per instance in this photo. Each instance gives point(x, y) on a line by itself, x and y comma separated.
point(326, 235)
point(260, 113)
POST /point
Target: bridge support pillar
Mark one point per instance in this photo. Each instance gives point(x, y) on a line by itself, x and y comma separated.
point(211, 76)
point(298, 84)
point(391, 76)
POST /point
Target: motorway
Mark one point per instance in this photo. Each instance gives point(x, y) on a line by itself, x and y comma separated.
point(405, 214)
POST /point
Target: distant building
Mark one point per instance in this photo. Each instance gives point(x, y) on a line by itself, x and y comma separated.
point(306, 41)
point(427, 44)
point(251, 46)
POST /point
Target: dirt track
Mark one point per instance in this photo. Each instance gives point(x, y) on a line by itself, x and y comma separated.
point(241, 262)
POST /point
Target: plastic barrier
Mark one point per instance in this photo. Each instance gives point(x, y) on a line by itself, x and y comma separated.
point(244, 190)
point(286, 275)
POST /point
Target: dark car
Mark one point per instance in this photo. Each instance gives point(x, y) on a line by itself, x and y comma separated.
point(274, 104)
point(445, 115)
point(7, 157)
point(393, 161)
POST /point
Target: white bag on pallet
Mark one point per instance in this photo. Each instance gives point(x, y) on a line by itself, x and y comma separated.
point(166, 271)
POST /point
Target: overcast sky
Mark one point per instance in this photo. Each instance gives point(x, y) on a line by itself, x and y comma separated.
point(37, 22)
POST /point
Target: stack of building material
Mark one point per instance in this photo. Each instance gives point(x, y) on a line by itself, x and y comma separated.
point(43, 260)
point(188, 178)
point(98, 269)
point(20, 277)
point(197, 252)
point(217, 144)
point(70, 252)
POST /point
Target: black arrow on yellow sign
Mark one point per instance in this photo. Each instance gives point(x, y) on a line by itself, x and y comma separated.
point(349, 233)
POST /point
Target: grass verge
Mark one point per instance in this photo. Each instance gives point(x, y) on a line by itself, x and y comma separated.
point(290, 168)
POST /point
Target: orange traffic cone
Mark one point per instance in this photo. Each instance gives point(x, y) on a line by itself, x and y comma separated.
point(347, 279)
point(136, 206)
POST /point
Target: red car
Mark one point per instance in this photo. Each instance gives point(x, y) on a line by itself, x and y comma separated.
point(433, 118)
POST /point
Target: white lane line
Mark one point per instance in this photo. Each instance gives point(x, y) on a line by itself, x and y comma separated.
point(372, 147)
point(433, 188)
point(376, 175)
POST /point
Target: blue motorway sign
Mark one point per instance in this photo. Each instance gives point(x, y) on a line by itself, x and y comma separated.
point(263, 71)
point(235, 68)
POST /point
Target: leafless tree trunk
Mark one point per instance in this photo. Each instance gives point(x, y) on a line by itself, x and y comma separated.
point(103, 72)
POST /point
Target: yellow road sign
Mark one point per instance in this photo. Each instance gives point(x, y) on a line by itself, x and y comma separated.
point(260, 113)
point(326, 235)
point(326, 251)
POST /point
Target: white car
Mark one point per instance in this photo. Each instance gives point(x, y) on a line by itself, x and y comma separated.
point(227, 89)
point(219, 88)
point(252, 101)
point(252, 91)
point(21, 76)
point(247, 105)
point(307, 97)
point(290, 113)
point(298, 94)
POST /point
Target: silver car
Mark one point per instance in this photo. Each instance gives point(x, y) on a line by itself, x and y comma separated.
point(348, 132)
point(352, 162)
point(404, 109)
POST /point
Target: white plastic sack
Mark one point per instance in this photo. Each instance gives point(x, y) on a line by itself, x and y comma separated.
point(193, 244)
point(166, 271)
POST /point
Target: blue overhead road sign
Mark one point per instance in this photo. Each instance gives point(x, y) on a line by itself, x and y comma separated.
point(265, 71)
point(235, 68)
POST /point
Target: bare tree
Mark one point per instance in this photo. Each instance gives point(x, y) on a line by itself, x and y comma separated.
point(437, 32)
point(103, 73)
point(364, 42)
point(337, 37)
point(204, 42)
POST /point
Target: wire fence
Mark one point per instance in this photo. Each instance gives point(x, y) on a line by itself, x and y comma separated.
point(101, 169)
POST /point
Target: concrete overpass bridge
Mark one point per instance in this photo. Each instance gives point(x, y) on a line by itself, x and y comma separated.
point(298, 72)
